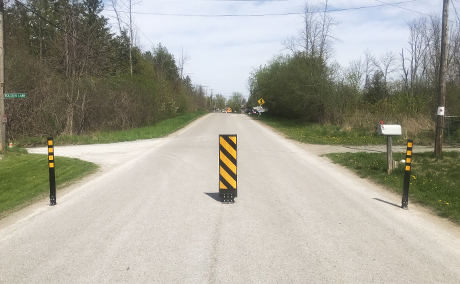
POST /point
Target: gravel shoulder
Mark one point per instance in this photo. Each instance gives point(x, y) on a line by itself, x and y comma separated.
point(326, 149)
point(109, 156)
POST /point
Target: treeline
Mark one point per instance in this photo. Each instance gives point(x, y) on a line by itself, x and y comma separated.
point(79, 77)
point(397, 88)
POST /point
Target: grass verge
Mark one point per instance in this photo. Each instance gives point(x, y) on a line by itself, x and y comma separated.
point(314, 133)
point(160, 129)
point(24, 178)
point(433, 181)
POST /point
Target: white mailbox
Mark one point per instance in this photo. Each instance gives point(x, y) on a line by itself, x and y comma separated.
point(389, 129)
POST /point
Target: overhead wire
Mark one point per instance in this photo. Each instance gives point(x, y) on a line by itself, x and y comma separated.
point(268, 15)
point(224, 15)
point(256, 15)
point(127, 24)
point(219, 15)
point(455, 9)
point(395, 5)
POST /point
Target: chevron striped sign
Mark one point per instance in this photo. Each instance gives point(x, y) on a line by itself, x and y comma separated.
point(227, 168)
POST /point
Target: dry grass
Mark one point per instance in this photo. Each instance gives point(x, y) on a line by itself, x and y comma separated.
point(420, 127)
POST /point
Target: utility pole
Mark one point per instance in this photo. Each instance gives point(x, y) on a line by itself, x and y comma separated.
point(442, 81)
point(212, 106)
point(130, 38)
point(2, 82)
point(206, 98)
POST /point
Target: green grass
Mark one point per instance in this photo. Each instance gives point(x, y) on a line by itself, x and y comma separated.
point(433, 181)
point(160, 129)
point(319, 134)
point(24, 177)
point(314, 133)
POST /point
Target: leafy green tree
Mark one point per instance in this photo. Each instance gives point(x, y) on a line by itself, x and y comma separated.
point(235, 102)
point(220, 101)
point(376, 90)
point(77, 73)
point(165, 63)
point(293, 86)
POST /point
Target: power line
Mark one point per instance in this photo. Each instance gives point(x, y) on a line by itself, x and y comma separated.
point(394, 5)
point(143, 34)
point(268, 15)
point(455, 9)
point(126, 14)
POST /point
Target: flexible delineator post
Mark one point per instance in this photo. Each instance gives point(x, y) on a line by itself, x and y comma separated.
point(51, 165)
point(405, 199)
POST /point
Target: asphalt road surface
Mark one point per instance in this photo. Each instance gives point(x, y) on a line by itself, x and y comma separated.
point(152, 215)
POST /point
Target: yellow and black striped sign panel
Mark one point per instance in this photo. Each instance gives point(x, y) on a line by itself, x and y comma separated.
point(50, 153)
point(227, 164)
point(409, 155)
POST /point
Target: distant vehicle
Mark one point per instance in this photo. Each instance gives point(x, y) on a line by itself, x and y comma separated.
point(252, 111)
point(229, 109)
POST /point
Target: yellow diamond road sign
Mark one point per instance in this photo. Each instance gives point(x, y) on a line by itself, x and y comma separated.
point(261, 101)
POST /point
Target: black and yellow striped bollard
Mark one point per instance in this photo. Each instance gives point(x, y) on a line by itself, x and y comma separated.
point(51, 165)
point(405, 199)
point(227, 168)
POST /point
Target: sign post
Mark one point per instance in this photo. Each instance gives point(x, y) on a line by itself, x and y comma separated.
point(389, 130)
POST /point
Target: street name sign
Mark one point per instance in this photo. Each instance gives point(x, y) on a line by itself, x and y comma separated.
point(14, 96)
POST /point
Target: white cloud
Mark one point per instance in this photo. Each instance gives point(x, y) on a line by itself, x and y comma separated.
point(225, 49)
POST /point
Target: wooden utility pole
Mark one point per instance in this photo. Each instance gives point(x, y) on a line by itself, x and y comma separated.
point(2, 83)
point(442, 81)
point(130, 38)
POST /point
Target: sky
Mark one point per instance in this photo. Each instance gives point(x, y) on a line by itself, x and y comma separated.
point(225, 41)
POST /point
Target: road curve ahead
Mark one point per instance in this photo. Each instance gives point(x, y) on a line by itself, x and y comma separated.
point(298, 218)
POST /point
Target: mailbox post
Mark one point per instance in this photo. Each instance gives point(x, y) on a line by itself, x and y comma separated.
point(389, 130)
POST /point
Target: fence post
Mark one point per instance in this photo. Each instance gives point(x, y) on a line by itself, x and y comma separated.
point(51, 165)
point(405, 199)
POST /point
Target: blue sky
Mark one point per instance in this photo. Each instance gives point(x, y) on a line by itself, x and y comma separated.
point(227, 40)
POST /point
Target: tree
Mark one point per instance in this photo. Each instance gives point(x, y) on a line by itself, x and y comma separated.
point(354, 74)
point(235, 101)
point(165, 63)
point(220, 101)
point(386, 65)
point(293, 86)
point(184, 57)
point(376, 89)
point(77, 74)
point(317, 33)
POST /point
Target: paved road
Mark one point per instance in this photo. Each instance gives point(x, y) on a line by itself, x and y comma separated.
point(298, 218)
